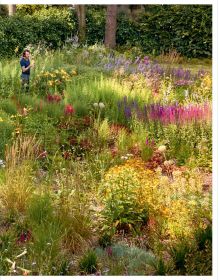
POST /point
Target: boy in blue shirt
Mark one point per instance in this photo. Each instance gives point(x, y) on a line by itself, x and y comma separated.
point(25, 66)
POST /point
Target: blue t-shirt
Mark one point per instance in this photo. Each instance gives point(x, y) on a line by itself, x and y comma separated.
point(25, 63)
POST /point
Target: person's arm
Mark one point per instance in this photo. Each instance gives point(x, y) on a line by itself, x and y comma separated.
point(24, 69)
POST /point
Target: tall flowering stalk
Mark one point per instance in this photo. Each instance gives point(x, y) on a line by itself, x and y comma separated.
point(180, 114)
point(150, 68)
point(167, 114)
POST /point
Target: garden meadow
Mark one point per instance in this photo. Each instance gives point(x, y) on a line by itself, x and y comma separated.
point(106, 164)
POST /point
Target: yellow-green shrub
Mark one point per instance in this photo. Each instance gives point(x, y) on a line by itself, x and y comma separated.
point(174, 204)
point(120, 192)
point(16, 190)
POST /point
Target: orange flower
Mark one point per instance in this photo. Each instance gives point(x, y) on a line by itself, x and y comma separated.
point(25, 273)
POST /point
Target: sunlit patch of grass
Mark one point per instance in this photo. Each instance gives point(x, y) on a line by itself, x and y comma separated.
point(16, 190)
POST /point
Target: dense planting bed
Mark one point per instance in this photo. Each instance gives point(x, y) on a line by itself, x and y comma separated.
point(105, 166)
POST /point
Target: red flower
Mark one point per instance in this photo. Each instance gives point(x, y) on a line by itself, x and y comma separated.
point(24, 237)
point(57, 98)
point(53, 98)
point(50, 98)
point(114, 151)
point(69, 110)
point(66, 155)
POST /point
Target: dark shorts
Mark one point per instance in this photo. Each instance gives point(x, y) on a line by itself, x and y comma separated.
point(25, 77)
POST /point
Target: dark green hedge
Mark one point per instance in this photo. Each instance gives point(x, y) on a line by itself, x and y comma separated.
point(50, 27)
point(95, 21)
point(186, 28)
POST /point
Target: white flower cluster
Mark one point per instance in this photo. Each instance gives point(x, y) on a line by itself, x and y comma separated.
point(100, 105)
point(168, 162)
point(162, 149)
point(186, 93)
point(2, 163)
point(127, 156)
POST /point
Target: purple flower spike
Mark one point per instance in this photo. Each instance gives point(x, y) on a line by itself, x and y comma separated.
point(127, 111)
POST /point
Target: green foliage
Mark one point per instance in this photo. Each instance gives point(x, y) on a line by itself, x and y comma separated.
point(50, 26)
point(29, 9)
point(75, 217)
point(40, 210)
point(53, 80)
point(179, 252)
point(122, 210)
point(61, 207)
point(146, 153)
point(95, 20)
point(103, 131)
point(40, 125)
point(16, 190)
point(8, 106)
point(45, 250)
point(186, 28)
point(185, 142)
point(123, 141)
point(6, 130)
point(160, 266)
point(105, 240)
point(3, 10)
point(7, 248)
point(122, 259)
point(203, 236)
point(137, 261)
point(199, 262)
point(88, 262)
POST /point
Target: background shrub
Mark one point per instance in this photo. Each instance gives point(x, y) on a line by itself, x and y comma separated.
point(185, 28)
point(50, 26)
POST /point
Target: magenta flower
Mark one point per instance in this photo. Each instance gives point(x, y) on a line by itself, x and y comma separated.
point(24, 237)
point(166, 114)
point(69, 110)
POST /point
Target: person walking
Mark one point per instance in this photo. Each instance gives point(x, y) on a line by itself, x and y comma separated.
point(26, 65)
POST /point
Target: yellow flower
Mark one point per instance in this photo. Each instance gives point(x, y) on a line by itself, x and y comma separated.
point(62, 71)
point(46, 74)
point(74, 73)
point(17, 130)
point(165, 211)
point(207, 81)
point(1, 120)
point(16, 49)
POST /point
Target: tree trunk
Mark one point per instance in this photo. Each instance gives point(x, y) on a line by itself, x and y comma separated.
point(11, 10)
point(81, 14)
point(111, 26)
